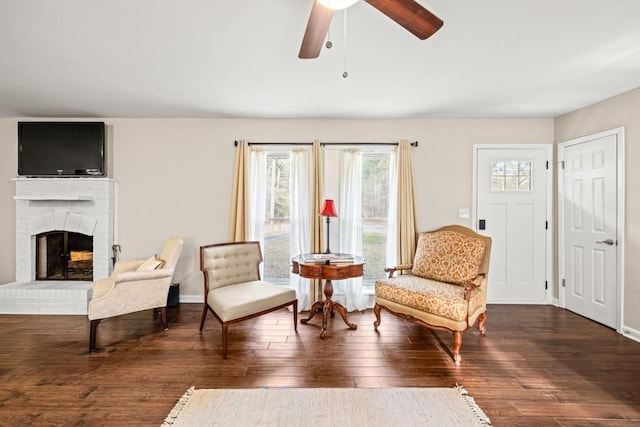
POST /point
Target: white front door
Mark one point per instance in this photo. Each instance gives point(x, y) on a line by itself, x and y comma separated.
point(589, 226)
point(512, 194)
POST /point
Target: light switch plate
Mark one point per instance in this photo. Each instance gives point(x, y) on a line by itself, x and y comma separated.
point(463, 213)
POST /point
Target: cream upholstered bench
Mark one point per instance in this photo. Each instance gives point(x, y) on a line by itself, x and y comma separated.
point(233, 291)
point(446, 286)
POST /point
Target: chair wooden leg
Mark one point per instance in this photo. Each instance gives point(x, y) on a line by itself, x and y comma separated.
point(92, 334)
point(481, 320)
point(457, 343)
point(295, 315)
point(163, 318)
point(225, 329)
point(376, 311)
point(204, 315)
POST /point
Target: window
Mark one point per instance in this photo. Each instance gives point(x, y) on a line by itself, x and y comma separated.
point(375, 213)
point(277, 220)
point(511, 175)
point(365, 182)
point(361, 180)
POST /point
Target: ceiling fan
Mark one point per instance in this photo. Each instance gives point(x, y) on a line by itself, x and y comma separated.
point(408, 13)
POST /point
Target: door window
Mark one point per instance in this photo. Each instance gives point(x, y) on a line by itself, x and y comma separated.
point(511, 175)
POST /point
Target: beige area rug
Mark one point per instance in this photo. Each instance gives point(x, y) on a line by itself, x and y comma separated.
point(349, 407)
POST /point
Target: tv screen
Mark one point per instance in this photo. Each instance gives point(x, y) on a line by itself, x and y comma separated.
point(61, 148)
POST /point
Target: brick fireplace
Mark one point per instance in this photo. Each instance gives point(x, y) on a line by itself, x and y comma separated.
point(82, 206)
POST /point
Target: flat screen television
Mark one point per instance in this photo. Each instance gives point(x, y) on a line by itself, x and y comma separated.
point(61, 148)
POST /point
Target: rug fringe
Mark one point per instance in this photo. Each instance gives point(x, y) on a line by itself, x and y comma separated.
point(482, 417)
point(171, 418)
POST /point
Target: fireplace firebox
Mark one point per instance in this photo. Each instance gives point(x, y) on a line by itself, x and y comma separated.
point(64, 255)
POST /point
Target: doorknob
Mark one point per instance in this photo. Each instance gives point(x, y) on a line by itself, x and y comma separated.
point(609, 242)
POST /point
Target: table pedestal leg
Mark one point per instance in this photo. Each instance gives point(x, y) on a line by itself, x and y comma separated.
point(328, 306)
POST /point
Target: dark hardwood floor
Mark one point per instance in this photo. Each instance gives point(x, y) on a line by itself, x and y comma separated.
point(537, 365)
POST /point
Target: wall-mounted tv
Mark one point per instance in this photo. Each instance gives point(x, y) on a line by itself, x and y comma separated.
point(61, 148)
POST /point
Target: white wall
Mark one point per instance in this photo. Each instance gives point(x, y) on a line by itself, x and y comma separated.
point(175, 175)
point(8, 170)
point(620, 111)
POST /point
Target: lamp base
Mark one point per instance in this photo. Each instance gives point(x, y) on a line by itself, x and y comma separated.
point(328, 251)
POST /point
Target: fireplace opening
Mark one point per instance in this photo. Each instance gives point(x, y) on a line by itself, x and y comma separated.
point(64, 255)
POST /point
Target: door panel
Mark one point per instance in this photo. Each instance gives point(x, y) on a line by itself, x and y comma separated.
point(590, 228)
point(515, 217)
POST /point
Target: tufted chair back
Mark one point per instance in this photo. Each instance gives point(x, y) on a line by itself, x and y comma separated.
point(230, 263)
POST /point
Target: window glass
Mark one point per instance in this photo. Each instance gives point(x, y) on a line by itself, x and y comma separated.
point(511, 175)
point(375, 213)
point(276, 221)
point(375, 185)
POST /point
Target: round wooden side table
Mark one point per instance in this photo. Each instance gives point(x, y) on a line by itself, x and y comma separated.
point(328, 271)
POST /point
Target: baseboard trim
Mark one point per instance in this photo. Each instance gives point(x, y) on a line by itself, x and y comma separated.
point(191, 299)
point(631, 333)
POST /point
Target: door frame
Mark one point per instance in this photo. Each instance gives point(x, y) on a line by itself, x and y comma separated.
point(620, 161)
point(549, 247)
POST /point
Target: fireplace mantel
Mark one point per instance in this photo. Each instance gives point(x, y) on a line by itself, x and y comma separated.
point(84, 205)
point(38, 198)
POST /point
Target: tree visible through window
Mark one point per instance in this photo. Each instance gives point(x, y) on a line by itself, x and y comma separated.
point(375, 213)
point(276, 221)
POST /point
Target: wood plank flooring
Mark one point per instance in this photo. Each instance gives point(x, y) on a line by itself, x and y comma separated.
point(537, 365)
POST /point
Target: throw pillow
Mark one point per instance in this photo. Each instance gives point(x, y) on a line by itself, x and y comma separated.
point(448, 256)
point(152, 263)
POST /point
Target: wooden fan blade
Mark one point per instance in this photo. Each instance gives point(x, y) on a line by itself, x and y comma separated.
point(410, 15)
point(316, 31)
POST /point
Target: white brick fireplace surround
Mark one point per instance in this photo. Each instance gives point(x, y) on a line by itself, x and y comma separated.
point(81, 205)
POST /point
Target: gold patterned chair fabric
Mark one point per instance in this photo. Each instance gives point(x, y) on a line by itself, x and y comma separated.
point(446, 286)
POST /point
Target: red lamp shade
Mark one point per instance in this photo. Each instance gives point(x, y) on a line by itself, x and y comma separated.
point(328, 208)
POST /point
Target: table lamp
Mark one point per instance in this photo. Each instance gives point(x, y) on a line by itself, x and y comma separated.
point(328, 210)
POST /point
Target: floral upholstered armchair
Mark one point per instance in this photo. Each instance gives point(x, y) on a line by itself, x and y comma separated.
point(446, 286)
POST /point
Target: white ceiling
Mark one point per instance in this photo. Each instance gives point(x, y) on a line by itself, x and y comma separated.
point(238, 58)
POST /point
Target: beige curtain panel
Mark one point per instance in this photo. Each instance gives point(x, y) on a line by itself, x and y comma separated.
point(317, 235)
point(239, 219)
point(406, 215)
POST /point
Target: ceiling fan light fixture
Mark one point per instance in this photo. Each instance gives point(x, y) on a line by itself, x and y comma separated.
point(337, 4)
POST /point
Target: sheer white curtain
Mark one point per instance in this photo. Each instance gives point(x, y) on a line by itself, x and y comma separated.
point(300, 199)
point(350, 223)
point(354, 294)
point(257, 197)
point(392, 215)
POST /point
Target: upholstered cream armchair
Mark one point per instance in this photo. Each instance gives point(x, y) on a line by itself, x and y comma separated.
point(134, 286)
point(233, 291)
point(446, 286)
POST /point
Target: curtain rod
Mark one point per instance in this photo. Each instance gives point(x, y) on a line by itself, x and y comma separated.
point(413, 144)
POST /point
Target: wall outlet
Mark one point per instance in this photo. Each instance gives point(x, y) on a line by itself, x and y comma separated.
point(463, 213)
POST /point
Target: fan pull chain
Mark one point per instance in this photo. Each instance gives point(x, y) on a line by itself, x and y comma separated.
point(329, 43)
point(345, 74)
